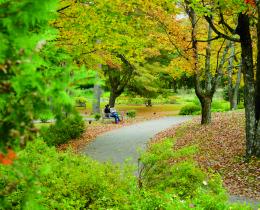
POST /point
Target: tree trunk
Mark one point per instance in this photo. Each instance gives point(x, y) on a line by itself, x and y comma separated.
point(257, 93)
point(96, 99)
point(234, 100)
point(230, 72)
point(205, 110)
point(233, 89)
point(243, 30)
point(112, 99)
point(97, 94)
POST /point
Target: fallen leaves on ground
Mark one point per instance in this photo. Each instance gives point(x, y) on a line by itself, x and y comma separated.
point(221, 148)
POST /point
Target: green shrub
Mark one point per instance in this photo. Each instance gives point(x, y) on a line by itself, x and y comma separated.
point(45, 116)
point(174, 174)
point(42, 178)
point(219, 106)
point(189, 109)
point(97, 116)
point(135, 101)
point(131, 113)
point(63, 131)
point(240, 106)
point(172, 100)
point(81, 101)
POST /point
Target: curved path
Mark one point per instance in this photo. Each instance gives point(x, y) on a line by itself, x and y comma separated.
point(121, 144)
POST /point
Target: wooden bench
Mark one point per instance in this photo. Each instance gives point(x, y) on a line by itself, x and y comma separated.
point(105, 117)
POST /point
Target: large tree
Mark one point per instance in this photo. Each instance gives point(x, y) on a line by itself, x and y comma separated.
point(110, 33)
point(206, 87)
point(240, 31)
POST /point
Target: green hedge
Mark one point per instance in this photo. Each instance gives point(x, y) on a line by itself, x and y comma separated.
point(63, 131)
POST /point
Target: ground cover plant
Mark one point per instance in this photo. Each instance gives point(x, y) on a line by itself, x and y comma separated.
point(42, 178)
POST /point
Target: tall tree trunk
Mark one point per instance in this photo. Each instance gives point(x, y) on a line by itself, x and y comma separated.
point(205, 104)
point(206, 98)
point(243, 29)
point(97, 95)
point(206, 109)
point(234, 100)
point(211, 82)
point(230, 72)
point(112, 98)
point(96, 99)
point(233, 89)
point(257, 93)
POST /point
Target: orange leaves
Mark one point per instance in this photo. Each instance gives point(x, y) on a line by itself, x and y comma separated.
point(8, 158)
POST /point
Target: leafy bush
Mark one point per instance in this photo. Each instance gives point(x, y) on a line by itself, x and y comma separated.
point(172, 100)
point(63, 131)
point(189, 109)
point(131, 113)
point(240, 106)
point(45, 116)
point(43, 178)
point(81, 101)
point(97, 116)
point(136, 101)
point(219, 106)
point(176, 173)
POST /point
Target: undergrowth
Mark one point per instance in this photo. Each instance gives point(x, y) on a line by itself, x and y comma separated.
point(42, 178)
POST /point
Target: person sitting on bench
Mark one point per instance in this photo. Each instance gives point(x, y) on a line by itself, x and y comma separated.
point(107, 111)
point(111, 112)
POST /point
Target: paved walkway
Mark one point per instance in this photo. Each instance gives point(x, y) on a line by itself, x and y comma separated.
point(123, 143)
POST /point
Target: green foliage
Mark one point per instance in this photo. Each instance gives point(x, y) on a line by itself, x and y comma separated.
point(81, 101)
point(43, 178)
point(64, 130)
point(181, 178)
point(131, 113)
point(97, 116)
point(174, 175)
point(45, 115)
point(33, 76)
point(219, 106)
point(189, 109)
point(194, 106)
point(240, 106)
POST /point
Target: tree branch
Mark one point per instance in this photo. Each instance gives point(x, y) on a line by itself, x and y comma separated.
point(220, 34)
point(209, 40)
point(223, 22)
point(63, 8)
